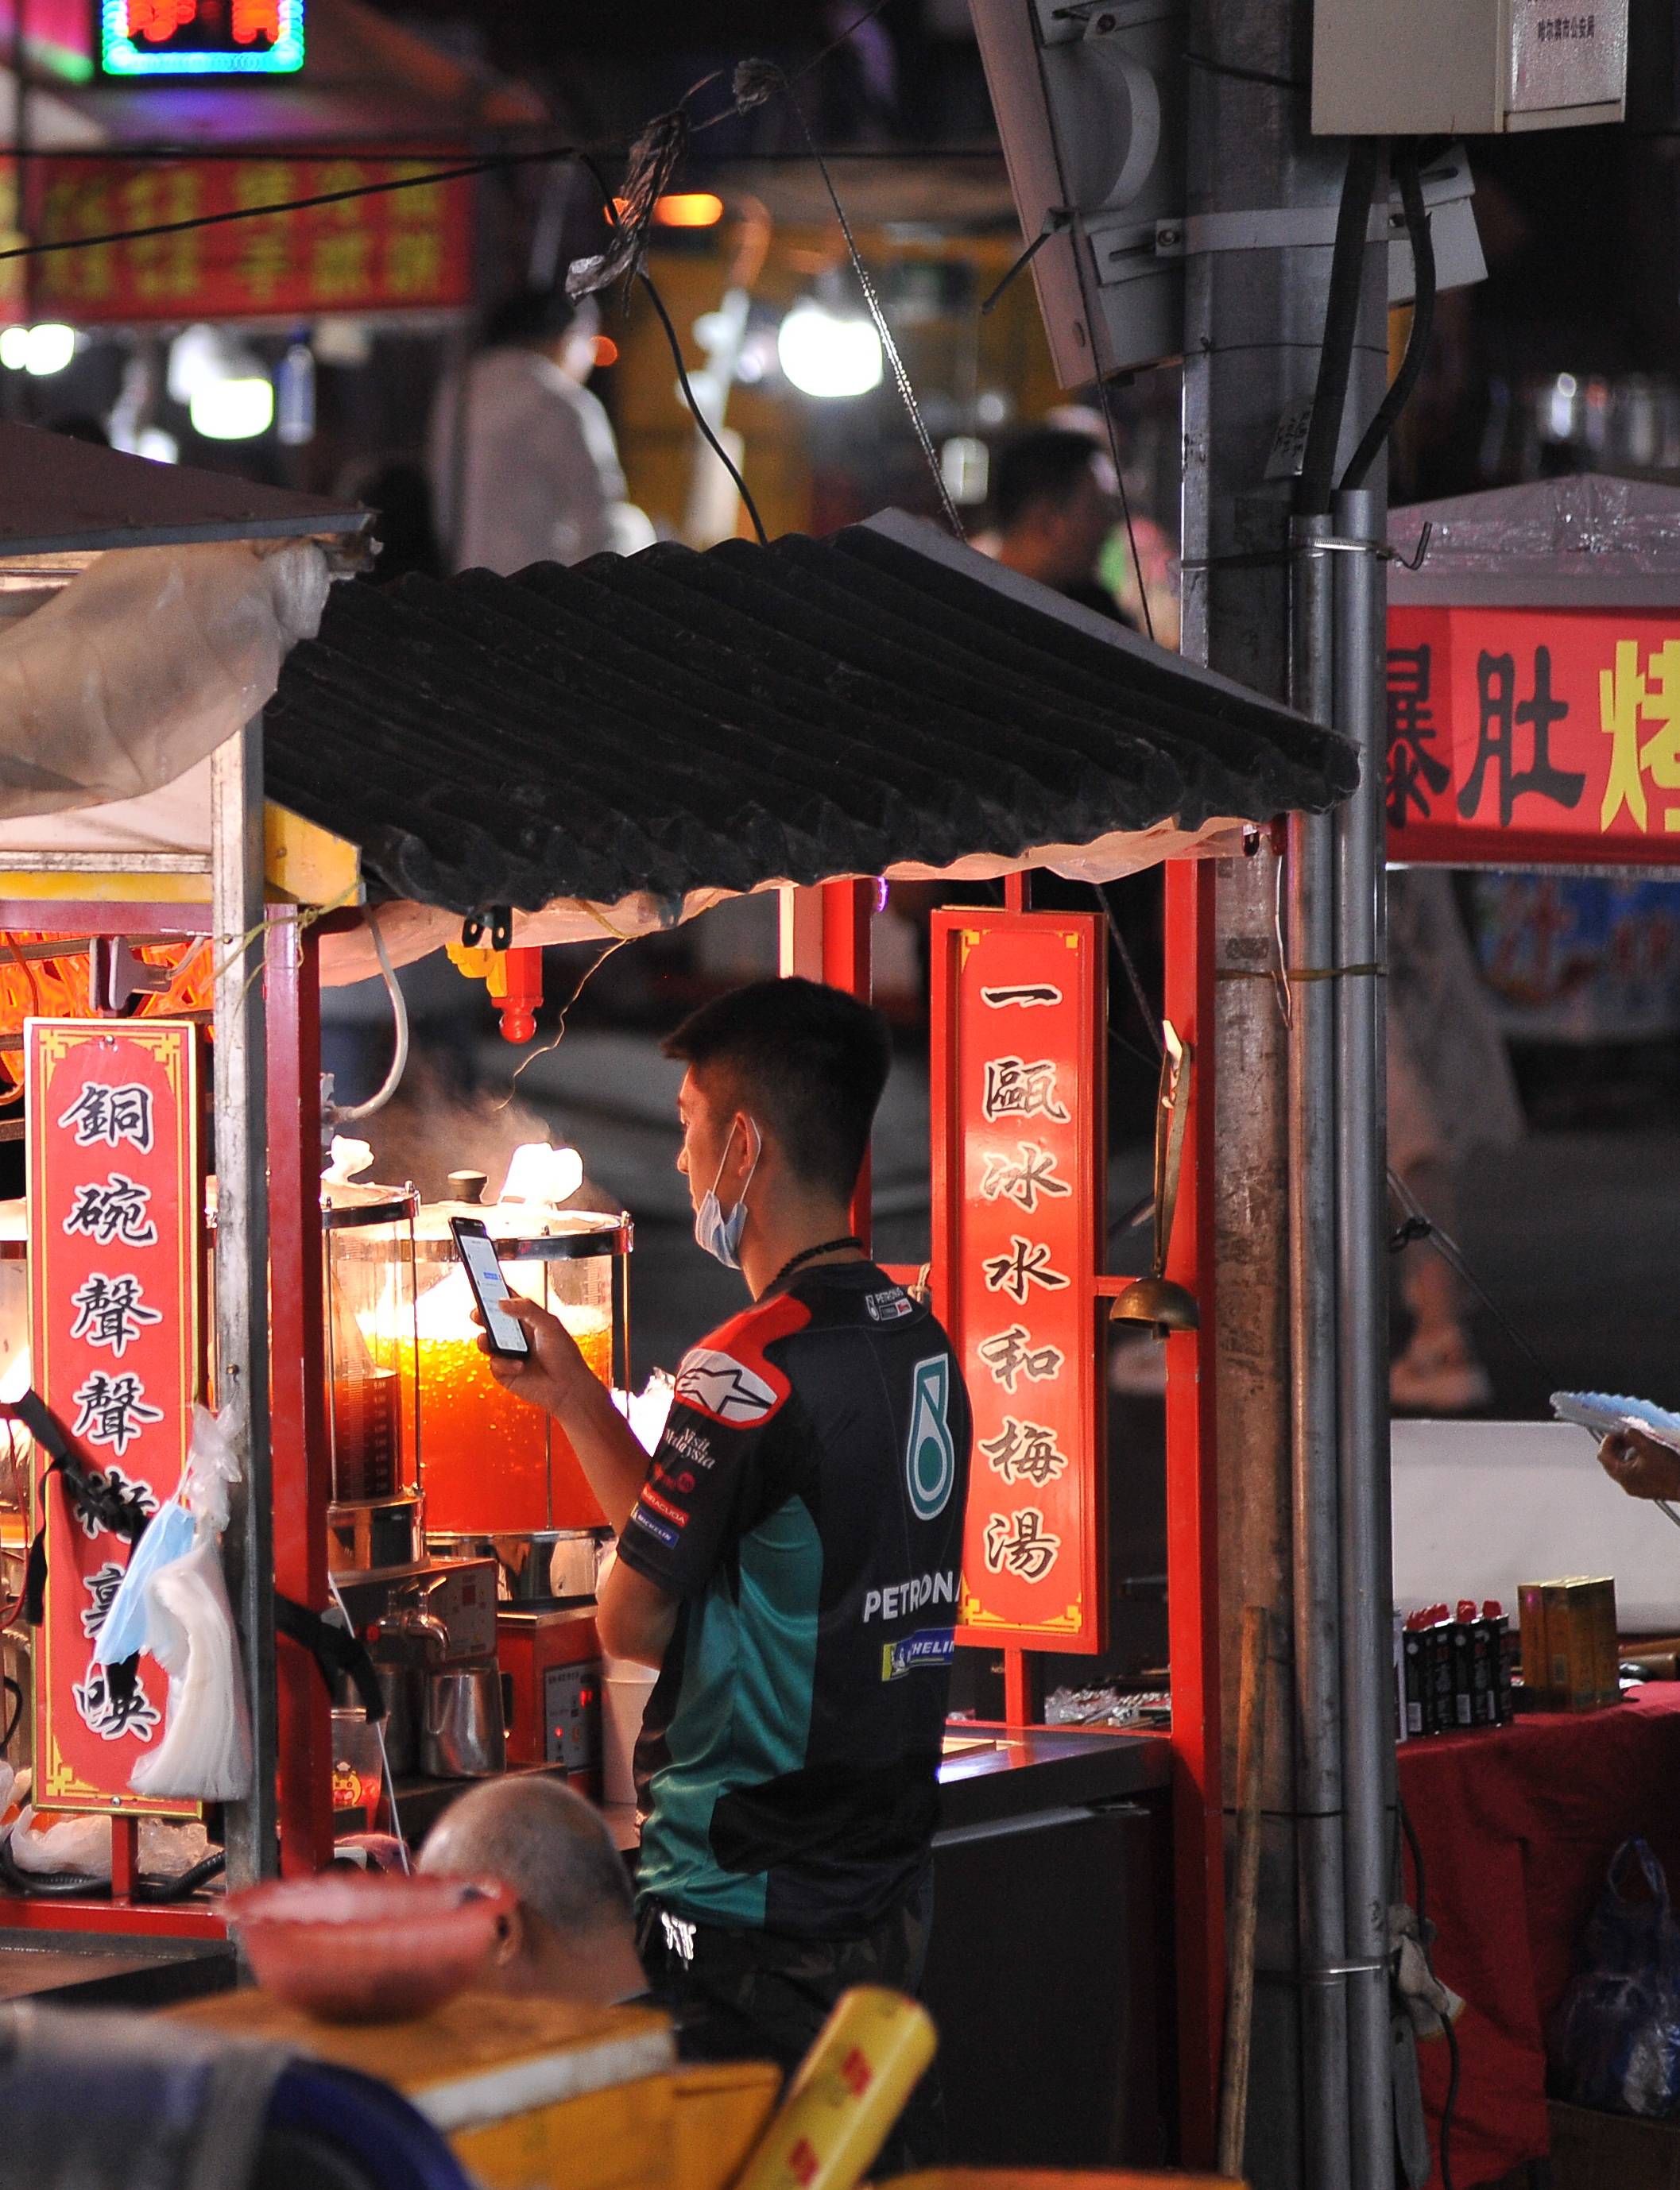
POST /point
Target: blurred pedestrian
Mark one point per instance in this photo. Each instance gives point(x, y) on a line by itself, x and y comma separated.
point(524, 468)
point(1055, 500)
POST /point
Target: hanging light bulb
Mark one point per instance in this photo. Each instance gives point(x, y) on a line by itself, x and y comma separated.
point(825, 356)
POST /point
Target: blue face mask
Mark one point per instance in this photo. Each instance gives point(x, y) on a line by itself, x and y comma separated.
point(720, 1236)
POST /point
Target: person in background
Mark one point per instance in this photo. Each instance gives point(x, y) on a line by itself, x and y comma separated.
point(573, 1936)
point(1055, 500)
point(524, 468)
point(1452, 1102)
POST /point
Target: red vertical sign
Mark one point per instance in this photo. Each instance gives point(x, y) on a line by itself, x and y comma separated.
point(1019, 1154)
point(115, 1224)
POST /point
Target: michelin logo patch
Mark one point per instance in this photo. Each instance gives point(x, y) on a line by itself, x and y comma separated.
point(720, 1387)
point(657, 1530)
point(929, 1646)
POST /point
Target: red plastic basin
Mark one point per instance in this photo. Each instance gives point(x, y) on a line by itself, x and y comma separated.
point(368, 1949)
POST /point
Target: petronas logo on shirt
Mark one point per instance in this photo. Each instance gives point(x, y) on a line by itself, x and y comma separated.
point(930, 1461)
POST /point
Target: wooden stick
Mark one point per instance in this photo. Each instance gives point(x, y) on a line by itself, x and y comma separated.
point(1245, 1888)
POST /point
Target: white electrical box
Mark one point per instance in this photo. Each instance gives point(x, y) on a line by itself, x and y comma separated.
point(1410, 68)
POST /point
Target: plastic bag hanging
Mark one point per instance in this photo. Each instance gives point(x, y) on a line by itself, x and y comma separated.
point(204, 1755)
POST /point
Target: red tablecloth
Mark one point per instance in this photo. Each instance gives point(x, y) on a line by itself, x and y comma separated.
point(1516, 1828)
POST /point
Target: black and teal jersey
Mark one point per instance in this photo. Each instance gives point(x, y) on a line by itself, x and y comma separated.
point(805, 1505)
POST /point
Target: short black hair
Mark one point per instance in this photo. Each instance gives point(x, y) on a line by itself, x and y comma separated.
point(1047, 464)
point(529, 315)
point(810, 1060)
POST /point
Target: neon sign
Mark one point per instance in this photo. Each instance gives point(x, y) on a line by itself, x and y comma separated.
point(201, 37)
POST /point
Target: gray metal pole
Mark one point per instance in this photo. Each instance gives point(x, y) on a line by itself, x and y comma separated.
point(1366, 1562)
point(241, 1096)
point(1310, 934)
point(1254, 321)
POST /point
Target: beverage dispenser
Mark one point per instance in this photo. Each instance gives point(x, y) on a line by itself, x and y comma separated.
point(368, 1235)
point(498, 1474)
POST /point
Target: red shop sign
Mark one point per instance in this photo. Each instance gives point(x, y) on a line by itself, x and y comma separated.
point(1532, 735)
point(115, 1252)
point(1020, 1203)
point(408, 250)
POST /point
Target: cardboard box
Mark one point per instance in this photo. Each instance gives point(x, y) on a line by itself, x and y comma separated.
point(1571, 1653)
point(1591, 2151)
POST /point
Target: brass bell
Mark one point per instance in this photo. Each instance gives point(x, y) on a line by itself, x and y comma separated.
point(1160, 1300)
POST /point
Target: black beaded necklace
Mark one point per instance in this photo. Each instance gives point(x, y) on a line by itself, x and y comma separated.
point(809, 1255)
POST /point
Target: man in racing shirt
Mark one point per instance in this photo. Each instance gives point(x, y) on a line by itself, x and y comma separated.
point(790, 1560)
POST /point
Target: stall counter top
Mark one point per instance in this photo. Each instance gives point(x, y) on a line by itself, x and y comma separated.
point(993, 1774)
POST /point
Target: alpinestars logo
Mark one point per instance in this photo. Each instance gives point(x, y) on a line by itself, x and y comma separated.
point(719, 1387)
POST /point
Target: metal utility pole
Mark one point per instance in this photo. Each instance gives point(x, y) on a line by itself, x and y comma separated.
point(1260, 604)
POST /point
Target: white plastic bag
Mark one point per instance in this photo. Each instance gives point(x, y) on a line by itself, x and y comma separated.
point(80, 1842)
point(204, 1755)
point(200, 1499)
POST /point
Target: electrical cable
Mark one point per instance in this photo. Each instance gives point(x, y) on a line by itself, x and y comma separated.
point(712, 439)
point(1410, 168)
point(1123, 952)
point(15, 1692)
point(352, 1114)
point(1341, 327)
point(751, 79)
point(1422, 1226)
point(1125, 498)
point(1444, 2155)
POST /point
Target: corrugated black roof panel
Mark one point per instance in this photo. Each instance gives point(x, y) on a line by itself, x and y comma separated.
point(675, 721)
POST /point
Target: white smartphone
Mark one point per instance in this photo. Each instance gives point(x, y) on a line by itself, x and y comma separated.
point(477, 1251)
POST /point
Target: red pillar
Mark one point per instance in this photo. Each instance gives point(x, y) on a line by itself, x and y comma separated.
point(297, 1397)
point(1192, 1535)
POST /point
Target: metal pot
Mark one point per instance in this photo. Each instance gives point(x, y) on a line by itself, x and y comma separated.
point(462, 1736)
point(535, 1568)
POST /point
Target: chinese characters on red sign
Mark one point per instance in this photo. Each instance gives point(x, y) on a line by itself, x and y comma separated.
point(407, 250)
point(114, 1214)
point(1533, 733)
point(1019, 1161)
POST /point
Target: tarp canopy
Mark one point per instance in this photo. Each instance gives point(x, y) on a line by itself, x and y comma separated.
point(611, 746)
point(144, 611)
point(1584, 541)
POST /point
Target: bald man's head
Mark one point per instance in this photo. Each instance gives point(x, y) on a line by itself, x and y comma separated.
point(574, 1937)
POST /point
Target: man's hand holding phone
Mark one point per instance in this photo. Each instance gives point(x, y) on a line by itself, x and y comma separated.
point(552, 1372)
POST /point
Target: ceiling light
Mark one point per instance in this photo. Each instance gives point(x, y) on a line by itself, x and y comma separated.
point(825, 356)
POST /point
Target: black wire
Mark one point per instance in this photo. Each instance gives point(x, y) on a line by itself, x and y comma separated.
point(693, 402)
point(1341, 326)
point(1443, 2157)
point(1240, 75)
point(1125, 501)
point(489, 165)
point(1410, 171)
point(1453, 1256)
point(906, 392)
point(13, 1690)
point(1123, 952)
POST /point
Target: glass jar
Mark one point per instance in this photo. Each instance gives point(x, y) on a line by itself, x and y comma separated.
point(492, 1465)
point(372, 1367)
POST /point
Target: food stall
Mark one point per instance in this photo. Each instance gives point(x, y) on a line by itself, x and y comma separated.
point(488, 763)
point(1530, 728)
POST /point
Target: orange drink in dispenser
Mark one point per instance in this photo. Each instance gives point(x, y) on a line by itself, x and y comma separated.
point(493, 1464)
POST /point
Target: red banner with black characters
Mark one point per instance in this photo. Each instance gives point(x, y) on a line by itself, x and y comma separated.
point(1019, 1205)
point(403, 249)
point(115, 1252)
point(1516, 736)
